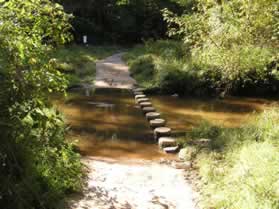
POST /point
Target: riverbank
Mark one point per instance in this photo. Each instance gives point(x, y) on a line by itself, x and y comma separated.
point(234, 158)
point(238, 167)
point(170, 67)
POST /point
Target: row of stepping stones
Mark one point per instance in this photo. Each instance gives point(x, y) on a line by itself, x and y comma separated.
point(162, 133)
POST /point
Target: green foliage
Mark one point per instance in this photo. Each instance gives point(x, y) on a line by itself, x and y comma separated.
point(37, 166)
point(167, 66)
point(239, 168)
point(238, 40)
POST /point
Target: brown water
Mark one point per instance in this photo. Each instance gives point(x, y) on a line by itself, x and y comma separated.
point(184, 114)
point(109, 124)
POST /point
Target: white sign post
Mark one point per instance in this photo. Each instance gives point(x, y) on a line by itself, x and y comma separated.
point(85, 39)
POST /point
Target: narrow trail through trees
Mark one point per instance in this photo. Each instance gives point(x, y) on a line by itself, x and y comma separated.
point(125, 182)
point(112, 72)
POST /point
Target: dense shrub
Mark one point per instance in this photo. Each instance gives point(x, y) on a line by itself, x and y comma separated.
point(176, 68)
point(167, 66)
point(239, 168)
point(235, 39)
point(37, 166)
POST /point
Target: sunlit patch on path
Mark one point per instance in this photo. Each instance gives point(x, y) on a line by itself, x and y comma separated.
point(135, 179)
point(134, 184)
point(113, 73)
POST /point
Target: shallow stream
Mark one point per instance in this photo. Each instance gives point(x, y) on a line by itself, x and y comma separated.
point(109, 124)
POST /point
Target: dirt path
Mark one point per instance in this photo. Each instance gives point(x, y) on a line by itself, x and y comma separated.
point(125, 183)
point(134, 184)
point(112, 72)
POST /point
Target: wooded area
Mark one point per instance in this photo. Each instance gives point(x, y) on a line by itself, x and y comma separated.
point(202, 48)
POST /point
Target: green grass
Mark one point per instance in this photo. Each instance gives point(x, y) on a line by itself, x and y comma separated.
point(239, 168)
point(166, 66)
point(171, 67)
point(79, 62)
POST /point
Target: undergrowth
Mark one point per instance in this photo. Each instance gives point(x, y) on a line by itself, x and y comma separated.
point(239, 168)
point(172, 67)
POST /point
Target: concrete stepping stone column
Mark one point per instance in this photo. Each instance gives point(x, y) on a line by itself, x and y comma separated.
point(145, 104)
point(152, 115)
point(140, 96)
point(171, 149)
point(167, 142)
point(148, 109)
point(158, 122)
point(142, 100)
point(138, 89)
point(138, 92)
point(162, 132)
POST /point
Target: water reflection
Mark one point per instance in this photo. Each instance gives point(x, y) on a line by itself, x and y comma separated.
point(108, 124)
point(184, 114)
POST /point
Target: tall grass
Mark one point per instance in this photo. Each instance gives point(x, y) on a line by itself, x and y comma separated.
point(166, 66)
point(172, 67)
point(240, 166)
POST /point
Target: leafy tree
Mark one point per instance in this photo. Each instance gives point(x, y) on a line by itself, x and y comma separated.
point(36, 165)
point(238, 40)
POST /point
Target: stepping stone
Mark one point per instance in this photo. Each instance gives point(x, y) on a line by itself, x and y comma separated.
point(138, 89)
point(152, 115)
point(140, 96)
point(145, 104)
point(148, 109)
point(158, 122)
point(161, 132)
point(167, 142)
point(138, 93)
point(142, 100)
point(171, 149)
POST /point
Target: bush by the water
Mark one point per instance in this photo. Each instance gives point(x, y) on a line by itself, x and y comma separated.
point(37, 166)
point(171, 67)
point(167, 66)
point(240, 166)
point(235, 40)
point(224, 47)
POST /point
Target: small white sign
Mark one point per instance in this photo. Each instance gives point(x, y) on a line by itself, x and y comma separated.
point(85, 39)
